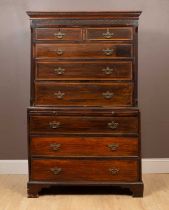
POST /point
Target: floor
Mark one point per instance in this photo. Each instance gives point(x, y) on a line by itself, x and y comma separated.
point(13, 197)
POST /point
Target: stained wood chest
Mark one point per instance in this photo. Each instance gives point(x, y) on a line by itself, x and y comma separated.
point(83, 119)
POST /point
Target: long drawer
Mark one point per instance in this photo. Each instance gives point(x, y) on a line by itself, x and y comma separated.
point(84, 124)
point(93, 50)
point(84, 170)
point(91, 94)
point(84, 146)
point(83, 70)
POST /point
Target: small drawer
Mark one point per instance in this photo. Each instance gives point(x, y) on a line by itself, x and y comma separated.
point(42, 124)
point(93, 50)
point(91, 94)
point(84, 146)
point(58, 34)
point(84, 170)
point(108, 70)
point(113, 33)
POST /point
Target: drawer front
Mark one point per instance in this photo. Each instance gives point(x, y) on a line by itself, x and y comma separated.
point(84, 146)
point(80, 124)
point(91, 94)
point(84, 70)
point(114, 33)
point(59, 34)
point(84, 170)
point(83, 50)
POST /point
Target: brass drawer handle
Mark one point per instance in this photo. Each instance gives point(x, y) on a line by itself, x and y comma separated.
point(59, 35)
point(108, 51)
point(114, 171)
point(55, 146)
point(107, 70)
point(108, 95)
point(59, 70)
point(108, 34)
point(54, 125)
point(113, 125)
point(113, 147)
point(59, 94)
point(56, 170)
point(58, 51)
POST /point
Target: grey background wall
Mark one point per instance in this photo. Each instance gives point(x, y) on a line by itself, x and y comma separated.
point(153, 69)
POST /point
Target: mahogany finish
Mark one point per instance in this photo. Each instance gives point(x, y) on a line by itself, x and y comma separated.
point(83, 123)
point(64, 34)
point(91, 94)
point(84, 146)
point(84, 170)
point(124, 33)
point(84, 70)
point(89, 51)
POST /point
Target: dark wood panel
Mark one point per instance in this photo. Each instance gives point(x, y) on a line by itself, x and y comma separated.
point(97, 50)
point(109, 33)
point(84, 146)
point(84, 170)
point(83, 70)
point(91, 94)
point(60, 34)
point(80, 124)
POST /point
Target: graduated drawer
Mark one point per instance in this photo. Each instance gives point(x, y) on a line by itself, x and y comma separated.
point(84, 146)
point(91, 94)
point(108, 70)
point(84, 170)
point(59, 34)
point(83, 124)
point(112, 33)
point(93, 50)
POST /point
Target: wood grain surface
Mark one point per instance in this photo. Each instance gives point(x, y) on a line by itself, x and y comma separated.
point(84, 170)
point(84, 146)
point(84, 70)
point(88, 94)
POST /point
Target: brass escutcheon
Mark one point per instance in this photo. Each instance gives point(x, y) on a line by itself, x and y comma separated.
point(113, 125)
point(108, 51)
point(107, 70)
point(108, 34)
point(59, 94)
point(59, 35)
point(54, 125)
point(55, 146)
point(113, 147)
point(59, 70)
point(108, 95)
point(114, 171)
point(56, 170)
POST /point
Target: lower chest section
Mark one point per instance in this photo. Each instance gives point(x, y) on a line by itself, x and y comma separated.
point(84, 145)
